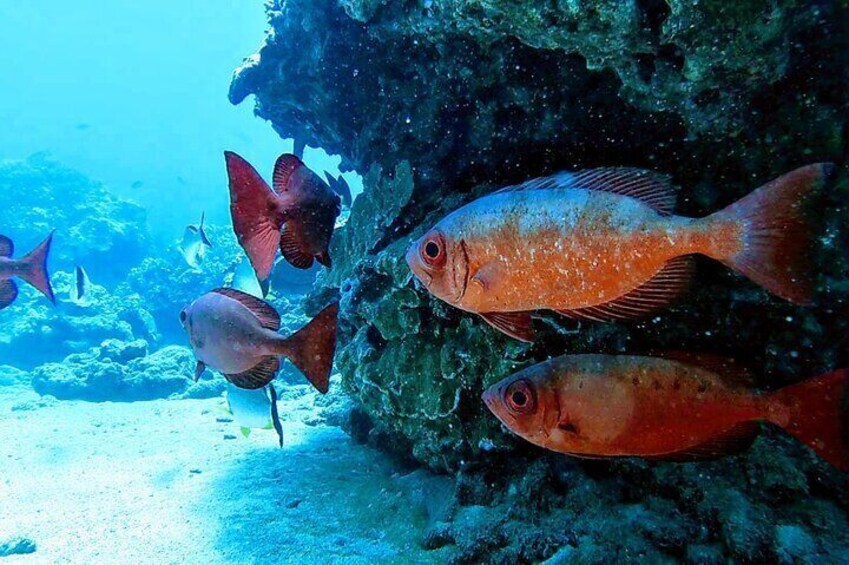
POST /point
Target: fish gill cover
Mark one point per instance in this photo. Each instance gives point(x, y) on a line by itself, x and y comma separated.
point(439, 102)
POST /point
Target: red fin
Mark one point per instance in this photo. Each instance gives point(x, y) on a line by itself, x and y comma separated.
point(656, 294)
point(727, 369)
point(291, 248)
point(653, 189)
point(312, 347)
point(7, 248)
point(255, 214)
point(265, 313)
point(8, 293)
point(734, 441)
point(35, 265)
point(257, 377)
point(517, 325)
point(776, 234)
point(284, 167)
point(818, 415)
point(324, 259)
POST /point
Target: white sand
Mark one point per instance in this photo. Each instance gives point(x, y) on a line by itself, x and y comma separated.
point(157, 482)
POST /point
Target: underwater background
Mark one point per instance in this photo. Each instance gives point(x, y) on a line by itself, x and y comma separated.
point(116, 118)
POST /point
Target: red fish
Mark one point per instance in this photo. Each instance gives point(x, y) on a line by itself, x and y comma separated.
point(298, 216)
point(236, 334)
point(681, 408)
point(603, 244)
point(32, 268)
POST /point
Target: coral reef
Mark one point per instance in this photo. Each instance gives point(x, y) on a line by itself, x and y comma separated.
point(441, 101)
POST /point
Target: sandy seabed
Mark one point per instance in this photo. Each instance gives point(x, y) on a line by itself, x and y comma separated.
point(167, 482)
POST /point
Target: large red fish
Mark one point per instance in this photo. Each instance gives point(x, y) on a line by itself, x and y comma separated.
point(602, 244)
point(236, 334)
point(681, 408)
point(32, 268)
point(298, 216)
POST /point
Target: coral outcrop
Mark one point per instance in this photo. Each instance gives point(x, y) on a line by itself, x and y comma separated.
point(440, 101)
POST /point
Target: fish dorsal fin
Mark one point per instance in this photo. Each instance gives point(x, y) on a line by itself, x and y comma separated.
point(262, 374)
point(654, 189)
point(291, 248)
point(733, 441)
point(7, 248)
point(265, 313)
point(8, 292)
point(653, 295)
point(517, 325)
point(284, 168)
point(727, 369)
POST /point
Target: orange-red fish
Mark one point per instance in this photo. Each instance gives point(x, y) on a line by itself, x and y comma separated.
point(32, 268)
point(602, 244)
point(674, 409)
point(298, 216)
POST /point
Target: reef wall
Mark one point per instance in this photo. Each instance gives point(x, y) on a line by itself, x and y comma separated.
point(439, 101)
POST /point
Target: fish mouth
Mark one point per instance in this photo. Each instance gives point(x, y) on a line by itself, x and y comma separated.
point(415, 265)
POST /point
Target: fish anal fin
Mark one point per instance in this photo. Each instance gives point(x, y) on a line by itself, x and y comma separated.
point(653, 189)
point(284, 168)
point(655, 294)
point(262, 374)
point(275, 415)
point(734, 441)
point(8, 293)
point(291, 248)
point(7, 247)
point(517, 325)
point(265, 313)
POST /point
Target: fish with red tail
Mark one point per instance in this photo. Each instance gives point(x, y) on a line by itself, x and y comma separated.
point(603, 245)
point(680, 408)
point(31, 268)
point(297, 216)
point(235, 334)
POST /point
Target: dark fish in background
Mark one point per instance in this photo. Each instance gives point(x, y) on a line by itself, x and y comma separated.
point(137, 184)
point(298, 215)
point(603, 244)
point(32, 268)
point(194, 244)
point(83, 127)
point(340, 186)
point(236, 334)
point(79, 291)
point(683, 407)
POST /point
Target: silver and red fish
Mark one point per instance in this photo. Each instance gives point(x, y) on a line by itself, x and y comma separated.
point(680, 408)
point(603, 244)
point(297, 217)
point(31, 268)
point(235, 334)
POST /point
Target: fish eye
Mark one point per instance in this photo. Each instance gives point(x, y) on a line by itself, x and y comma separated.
point(433, 251)
point(182, 315)
point(519, 397)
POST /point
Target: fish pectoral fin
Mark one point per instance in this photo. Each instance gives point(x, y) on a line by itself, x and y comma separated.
point(733, 441)
point(291, 248)
point(275, 416)
point(517, 325)
point(8, 292)
point(653, 295)
point(262, 374)
point(264, 312)
point(485, 275)
point(245, 431)
point(199, 369)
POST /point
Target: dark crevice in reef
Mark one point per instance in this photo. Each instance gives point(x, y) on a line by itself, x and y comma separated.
point(438, 102)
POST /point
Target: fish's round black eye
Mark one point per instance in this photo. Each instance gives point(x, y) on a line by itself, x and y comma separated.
point(183, 316)
point(520, 398)
point(432, 249)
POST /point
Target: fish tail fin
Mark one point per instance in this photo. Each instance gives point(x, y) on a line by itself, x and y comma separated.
point(774, 233)
point(312, 347)
point(35, 268)
point(256, 217)
point(816, 412)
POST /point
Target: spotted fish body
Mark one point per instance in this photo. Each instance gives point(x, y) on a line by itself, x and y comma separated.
point(603, 244)
point(678, 408)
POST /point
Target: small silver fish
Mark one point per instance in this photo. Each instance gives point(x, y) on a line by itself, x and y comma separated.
point(79, 291)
